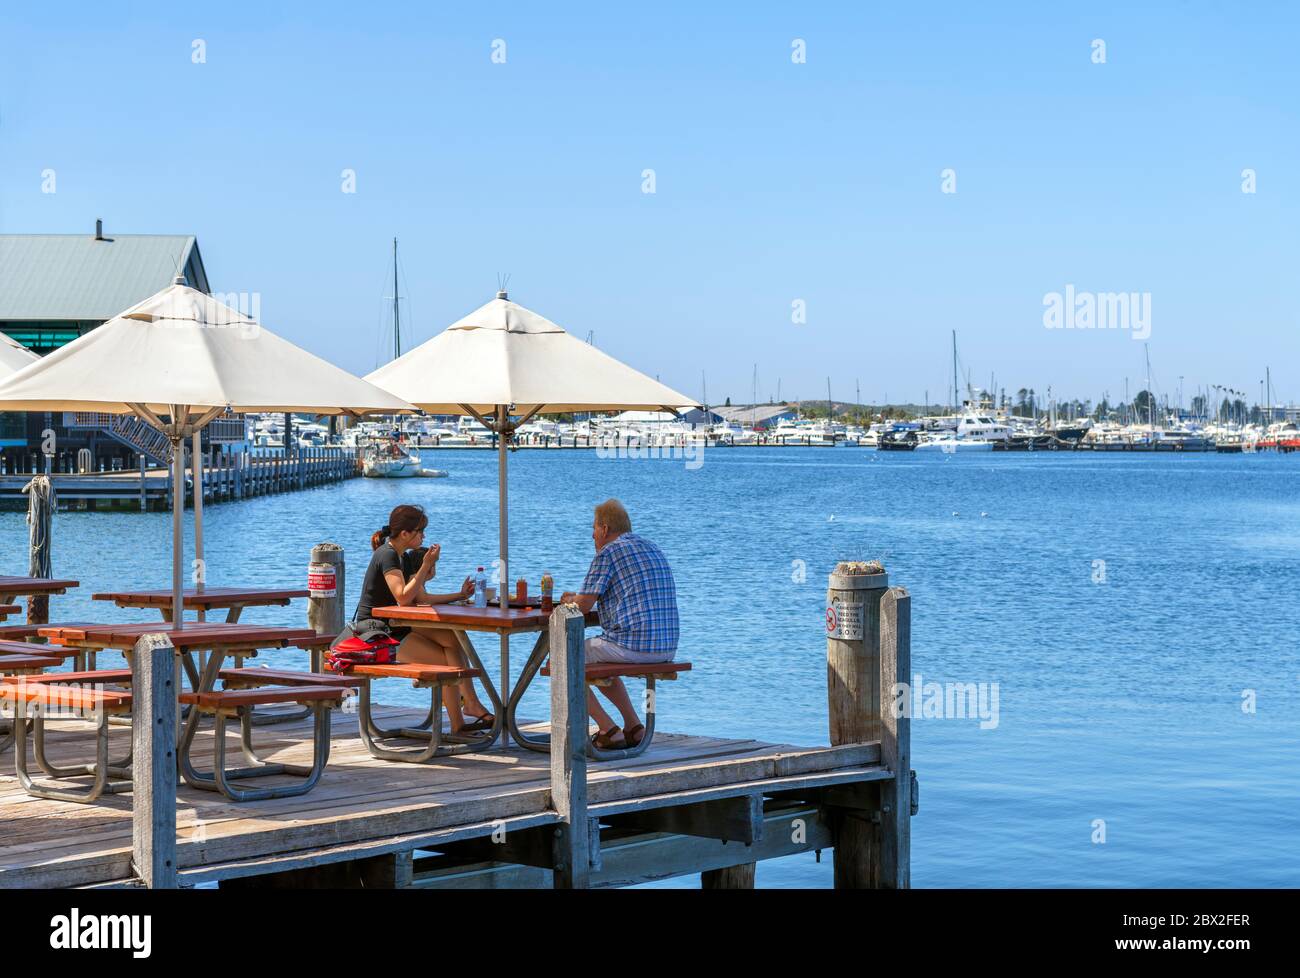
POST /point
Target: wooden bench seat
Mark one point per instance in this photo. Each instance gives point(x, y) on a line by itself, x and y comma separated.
point(232, 699)
point(418, 672)
point(27, 663)
point(80, 698)
point(428, 734)
point(8, 647)
point(612, 670)
point(605, 673)
point(20, 631)
point(105, 677)
point(242, 678)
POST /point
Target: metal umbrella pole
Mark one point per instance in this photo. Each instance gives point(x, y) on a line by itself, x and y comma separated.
point(201, 570)
point(503, 546)
point(178, 528)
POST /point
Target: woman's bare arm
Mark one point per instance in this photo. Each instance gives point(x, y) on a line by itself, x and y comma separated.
point(406, 592)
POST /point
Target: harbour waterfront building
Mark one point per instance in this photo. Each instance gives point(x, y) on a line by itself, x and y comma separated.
point(57, 287)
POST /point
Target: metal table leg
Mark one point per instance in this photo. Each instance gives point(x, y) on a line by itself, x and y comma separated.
point(536, 658)
point(474, 662)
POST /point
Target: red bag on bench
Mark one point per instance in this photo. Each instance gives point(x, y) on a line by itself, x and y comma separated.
point(380, 650)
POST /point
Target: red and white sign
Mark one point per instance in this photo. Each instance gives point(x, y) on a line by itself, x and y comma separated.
point(321, 581)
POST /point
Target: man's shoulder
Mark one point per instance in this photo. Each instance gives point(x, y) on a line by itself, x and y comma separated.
point(641, 547)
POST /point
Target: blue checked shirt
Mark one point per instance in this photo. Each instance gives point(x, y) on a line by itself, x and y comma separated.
point(637, 599)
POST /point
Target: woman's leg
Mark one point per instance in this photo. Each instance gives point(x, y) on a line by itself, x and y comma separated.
point(421, 649)
point(446, 639)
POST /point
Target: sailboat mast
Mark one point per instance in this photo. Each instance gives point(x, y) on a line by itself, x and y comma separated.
point(955, 403)
point(397, 328)
point(1151, 420)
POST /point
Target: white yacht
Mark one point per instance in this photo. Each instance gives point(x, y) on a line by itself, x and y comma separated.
point(389, 459)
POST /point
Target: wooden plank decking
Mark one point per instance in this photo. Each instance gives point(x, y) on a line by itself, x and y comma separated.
point(365, 807)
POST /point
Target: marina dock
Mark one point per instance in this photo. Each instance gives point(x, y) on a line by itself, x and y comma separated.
point(497, 818)
point(226, 477)
point(431, 825)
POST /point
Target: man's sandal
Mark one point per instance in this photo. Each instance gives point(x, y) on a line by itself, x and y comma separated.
point(634, 734)
point(607, 741)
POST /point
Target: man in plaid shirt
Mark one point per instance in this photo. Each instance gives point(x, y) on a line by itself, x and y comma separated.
point(631, 586)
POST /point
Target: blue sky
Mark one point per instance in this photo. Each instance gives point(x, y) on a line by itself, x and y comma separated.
point(775, 181)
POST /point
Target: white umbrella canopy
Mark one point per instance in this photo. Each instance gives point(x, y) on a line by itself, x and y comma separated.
point(183, 347)
point(183, 355)
point(503, 360)
point(13, 355)
point(504, 354)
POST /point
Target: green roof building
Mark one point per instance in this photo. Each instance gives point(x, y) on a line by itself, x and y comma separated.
point(55, 287)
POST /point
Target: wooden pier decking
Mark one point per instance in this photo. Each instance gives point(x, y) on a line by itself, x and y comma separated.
point(498, 818)
point(381, 812)
point(225, 477)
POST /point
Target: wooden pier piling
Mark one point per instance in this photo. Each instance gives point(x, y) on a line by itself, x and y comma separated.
point(868, 652)
point(40, 510)
point(569, 750)
point(326, 586)
point(153, 764)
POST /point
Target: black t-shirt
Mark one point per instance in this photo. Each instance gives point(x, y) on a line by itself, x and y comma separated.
point(375, 592)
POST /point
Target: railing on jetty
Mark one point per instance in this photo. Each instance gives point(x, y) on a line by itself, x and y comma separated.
point(226, 476)
point(689, 805)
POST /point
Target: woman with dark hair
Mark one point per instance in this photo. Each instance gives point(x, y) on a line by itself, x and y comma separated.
point(393, 578)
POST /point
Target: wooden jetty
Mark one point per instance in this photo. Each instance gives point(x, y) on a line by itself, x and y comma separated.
point(226, 476)
point(507, 818)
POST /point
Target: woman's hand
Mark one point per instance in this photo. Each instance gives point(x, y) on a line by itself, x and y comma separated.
point(431, 557)
point(467, 588)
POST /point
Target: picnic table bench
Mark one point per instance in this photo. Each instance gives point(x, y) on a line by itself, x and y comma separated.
point(233, 599)
point(91, 692)
point(602, 674)
point(461, 619)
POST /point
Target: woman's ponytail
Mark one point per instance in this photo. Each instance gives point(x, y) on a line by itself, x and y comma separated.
point(401, 519)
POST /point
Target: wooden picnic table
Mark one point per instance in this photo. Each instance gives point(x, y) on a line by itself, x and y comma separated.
point(220, 638)
point(464, 618)
point(233, 599)
point(13, 587)
point(28, 587)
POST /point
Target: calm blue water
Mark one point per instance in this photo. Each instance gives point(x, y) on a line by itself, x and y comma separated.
point(1119, 701)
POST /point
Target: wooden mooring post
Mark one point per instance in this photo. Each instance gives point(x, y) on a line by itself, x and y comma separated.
point(569, 749)
point(40, 521)
point(153, 764)
point(326, 593)
point(868, 654)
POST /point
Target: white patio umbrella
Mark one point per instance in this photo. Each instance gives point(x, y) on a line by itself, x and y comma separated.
point(183, 356)
point(503, 359)
point(13, 355)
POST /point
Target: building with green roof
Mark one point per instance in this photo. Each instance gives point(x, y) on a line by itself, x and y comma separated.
point(56, 287)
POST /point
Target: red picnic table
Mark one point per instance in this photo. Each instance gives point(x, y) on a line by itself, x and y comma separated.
point(219, 639)
point(233, 599)
point(28, 587)
point(464, 618)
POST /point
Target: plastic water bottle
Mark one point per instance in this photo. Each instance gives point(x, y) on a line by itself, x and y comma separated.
point(480, 589)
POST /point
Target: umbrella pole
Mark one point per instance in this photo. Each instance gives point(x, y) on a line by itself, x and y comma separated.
point(178, 530)
point(196, 466)
point(503, 544)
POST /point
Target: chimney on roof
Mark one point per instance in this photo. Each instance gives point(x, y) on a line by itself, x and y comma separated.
point(99, 229)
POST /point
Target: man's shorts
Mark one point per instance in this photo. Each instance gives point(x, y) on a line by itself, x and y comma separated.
point(601, 649)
